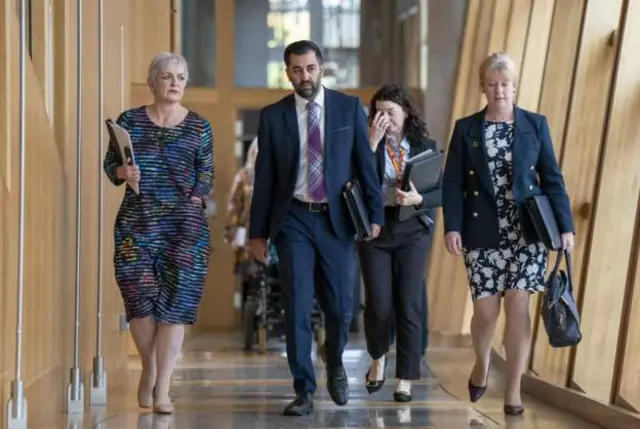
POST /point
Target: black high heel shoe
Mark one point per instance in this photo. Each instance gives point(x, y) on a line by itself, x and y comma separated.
point(373, 386)
point(513, 410)
point(477, 392)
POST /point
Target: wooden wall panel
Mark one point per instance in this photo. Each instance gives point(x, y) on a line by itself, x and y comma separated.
point(5, 137)
point(585, 127)
point(475, 99)
point(533, 64)
point(587, 118)
point(626, 391)
point(605, 274)
point(624, 135)
point(548, 362)
point(151, 34)
point(519, 18)
point(50, 206)
point(446, 273)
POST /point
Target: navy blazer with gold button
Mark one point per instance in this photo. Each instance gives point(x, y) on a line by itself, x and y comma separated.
point(469, 203)
point(431, 198)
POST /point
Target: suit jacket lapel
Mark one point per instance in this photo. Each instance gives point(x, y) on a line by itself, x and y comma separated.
point(291, 119)
point(328, 123)
point(476, 147)
point(521, 140)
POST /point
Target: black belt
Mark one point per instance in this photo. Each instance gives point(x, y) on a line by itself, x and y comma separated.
point(312, 207)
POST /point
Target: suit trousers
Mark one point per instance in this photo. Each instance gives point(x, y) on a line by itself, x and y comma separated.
point(312, 259)
point(393, 267)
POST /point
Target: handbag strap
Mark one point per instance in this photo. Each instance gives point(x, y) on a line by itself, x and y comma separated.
point(567, 256)
point(556, 266)
point(555, 291)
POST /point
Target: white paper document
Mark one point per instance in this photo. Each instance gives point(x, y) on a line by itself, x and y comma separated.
point(121, 137)
point(241, 237)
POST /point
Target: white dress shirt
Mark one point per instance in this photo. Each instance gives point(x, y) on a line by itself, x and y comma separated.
point(301, 191)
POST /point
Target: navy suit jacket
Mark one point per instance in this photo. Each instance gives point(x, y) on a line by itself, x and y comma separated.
point(347, 155)
point(469, 202)
point(431, 198)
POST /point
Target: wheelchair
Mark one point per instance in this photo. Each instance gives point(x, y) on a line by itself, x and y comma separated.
point(263, 308)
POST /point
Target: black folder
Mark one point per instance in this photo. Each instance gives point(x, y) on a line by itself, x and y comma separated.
point(544, 221)
point(352, 194)
point(424, 171)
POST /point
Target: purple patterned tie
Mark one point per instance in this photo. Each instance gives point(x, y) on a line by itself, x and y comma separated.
point(315, 173)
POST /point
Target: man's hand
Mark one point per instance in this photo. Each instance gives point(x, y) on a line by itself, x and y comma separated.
point(375, 231)
point(258, 249)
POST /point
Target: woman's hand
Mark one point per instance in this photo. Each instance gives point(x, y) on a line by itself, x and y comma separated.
point(410, 198)
point(377, 129)
point(453, 243)
point(196, 200)
point(567, 241)
point(128, 173)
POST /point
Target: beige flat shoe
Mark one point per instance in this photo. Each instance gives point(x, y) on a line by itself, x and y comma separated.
point(145, 398)
point(163, 408)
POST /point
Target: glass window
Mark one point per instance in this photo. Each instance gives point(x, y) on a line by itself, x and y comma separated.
point(198, 38)
point(273, 24)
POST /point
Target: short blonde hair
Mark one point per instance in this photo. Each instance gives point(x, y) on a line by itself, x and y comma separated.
point(501, 62)
point(159, 63)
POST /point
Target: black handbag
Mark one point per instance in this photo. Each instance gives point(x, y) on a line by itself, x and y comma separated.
point(544, 221)
point(559, 310)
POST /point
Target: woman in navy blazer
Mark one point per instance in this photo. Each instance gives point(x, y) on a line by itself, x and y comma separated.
point(393, 265)
point(497, 158)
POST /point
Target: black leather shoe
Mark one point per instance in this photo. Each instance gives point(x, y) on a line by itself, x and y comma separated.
point(373, 386)
point(403, 391)
point(402, 397)
point(338, 385)
point(301, 406)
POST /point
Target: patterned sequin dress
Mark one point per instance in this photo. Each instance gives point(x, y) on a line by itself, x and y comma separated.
point(515, 265)
point(162, 239)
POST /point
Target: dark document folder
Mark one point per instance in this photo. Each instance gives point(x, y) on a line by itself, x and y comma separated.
point(357, 209)
point(424, 171)
point(544, 221)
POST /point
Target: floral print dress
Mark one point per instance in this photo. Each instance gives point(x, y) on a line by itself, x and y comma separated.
point(514, 265)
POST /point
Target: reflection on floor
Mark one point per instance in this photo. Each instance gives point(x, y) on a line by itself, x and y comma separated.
point(218, 386)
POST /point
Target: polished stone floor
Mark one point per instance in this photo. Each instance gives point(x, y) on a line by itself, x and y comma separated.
point(219, 386)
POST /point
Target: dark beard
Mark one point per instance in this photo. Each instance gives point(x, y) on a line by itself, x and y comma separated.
point(307, 92)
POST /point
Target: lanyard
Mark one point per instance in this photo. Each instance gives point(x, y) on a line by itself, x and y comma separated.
point(397, 163)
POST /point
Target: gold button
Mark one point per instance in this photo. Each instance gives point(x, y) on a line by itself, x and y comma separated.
point(530, 187)
point(532, 168)
point(475, 192)
point(471, 172)
point(475, 214)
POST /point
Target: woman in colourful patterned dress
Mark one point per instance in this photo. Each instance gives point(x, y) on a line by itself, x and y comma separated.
point(161, 234)
point(497, 158)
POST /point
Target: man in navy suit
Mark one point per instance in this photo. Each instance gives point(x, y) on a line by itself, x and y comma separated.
point(311, 143)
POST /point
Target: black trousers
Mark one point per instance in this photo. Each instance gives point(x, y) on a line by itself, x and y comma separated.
point(393, 268)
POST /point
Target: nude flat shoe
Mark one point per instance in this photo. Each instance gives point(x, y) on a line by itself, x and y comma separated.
point(145, 398)
point(163, 408)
